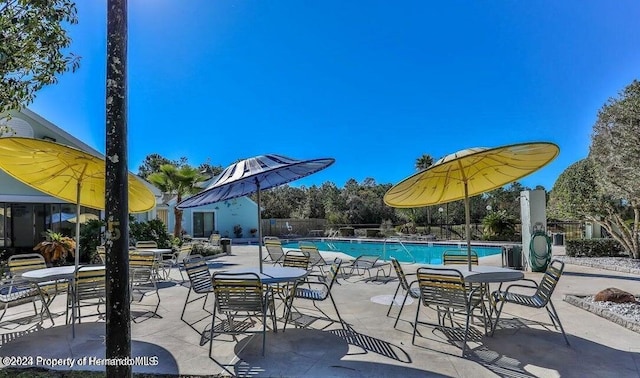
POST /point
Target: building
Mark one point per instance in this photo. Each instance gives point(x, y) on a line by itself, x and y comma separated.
point(25, 213)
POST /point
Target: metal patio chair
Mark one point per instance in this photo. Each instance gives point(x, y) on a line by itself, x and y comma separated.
point(240, 295)
point(408, 288)
point(445, 290)
point(315, 292)
point(541, 298)
point(200, 284)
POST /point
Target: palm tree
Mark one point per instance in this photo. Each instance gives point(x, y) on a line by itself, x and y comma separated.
point(424, 162)
point(179, 182)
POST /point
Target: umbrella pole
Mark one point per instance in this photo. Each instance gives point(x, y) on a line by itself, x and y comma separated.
point(77, 257)
point(467, 218)
point(259, 227)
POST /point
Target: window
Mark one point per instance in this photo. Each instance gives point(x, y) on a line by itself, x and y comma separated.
point(203, 224)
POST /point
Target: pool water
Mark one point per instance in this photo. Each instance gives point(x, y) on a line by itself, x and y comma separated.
point(421, 253)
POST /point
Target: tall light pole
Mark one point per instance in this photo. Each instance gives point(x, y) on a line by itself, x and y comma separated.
point(440, 210)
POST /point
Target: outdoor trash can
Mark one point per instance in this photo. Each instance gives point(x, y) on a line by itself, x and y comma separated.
point(558, 239)
point(225, 245)
point(512, 256)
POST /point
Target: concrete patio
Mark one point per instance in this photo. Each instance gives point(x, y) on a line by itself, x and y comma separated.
point(525, 345)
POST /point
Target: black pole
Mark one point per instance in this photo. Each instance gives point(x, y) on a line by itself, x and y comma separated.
point(118, 336)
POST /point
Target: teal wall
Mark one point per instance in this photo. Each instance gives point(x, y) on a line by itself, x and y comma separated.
point(227, 214)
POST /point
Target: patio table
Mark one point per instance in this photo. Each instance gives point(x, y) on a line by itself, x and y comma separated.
point(273, 275)
point(484, 274)
point(66, 272)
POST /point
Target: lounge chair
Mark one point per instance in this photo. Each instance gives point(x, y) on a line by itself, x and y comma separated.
point(541, 298)
point(366, 263)
point(315, 258)
point(274, 250)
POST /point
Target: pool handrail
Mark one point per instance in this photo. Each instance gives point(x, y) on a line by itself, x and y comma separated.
point(397, 240)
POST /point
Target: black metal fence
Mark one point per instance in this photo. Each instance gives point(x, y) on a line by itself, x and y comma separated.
point(321, 228)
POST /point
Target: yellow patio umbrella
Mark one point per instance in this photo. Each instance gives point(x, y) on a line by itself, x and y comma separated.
point(66, 173)
point(468, 173)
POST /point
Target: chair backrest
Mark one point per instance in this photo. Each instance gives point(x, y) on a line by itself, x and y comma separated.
point(549, 281)
point(365, 261)
point(214, 239)
point(459, 257)
point(183, 253)
point(198, 272)
point(146, 244)
point(89, 282)
point(274, 249)
point(102, 253)
point(296, 259)
point(138, 259)
point(402, 278)
point(19, 264)
point(238, 292)
point(442, 287)
point(333, 271)
point(315, 258)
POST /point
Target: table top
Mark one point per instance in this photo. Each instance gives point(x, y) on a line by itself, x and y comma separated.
point(55, 273)
point(275, 274)
point(484, 273)
point(155, 251)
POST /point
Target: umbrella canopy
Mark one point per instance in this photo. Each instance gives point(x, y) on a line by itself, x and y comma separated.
point(252, 175)
point(66, 173)
point(468, 173)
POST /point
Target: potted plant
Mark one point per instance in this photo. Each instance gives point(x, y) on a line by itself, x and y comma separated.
point(253, 232)
point(55, 247)
point(237, 231)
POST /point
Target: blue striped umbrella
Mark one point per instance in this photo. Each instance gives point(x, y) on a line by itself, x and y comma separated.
point(253, 175)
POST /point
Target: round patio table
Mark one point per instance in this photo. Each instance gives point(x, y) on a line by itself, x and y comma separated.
point(56, 273)
point(273, 275)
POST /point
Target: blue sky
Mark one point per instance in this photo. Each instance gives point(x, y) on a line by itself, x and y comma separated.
point(373, 84)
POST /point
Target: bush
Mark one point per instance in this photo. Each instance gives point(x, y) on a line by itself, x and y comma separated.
point(151, 230)
point(593, 248)
point(205, 250)
point(90, 238)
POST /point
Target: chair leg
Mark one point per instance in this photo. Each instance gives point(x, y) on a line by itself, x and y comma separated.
point(498, 312)
point(415, 325)
point(393, 299)
point(466, 332)
point(401, 308)
point(557, 318)
point(338, 313)
point(213, 325)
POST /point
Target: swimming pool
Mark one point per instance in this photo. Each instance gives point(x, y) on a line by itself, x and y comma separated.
point(421, 253)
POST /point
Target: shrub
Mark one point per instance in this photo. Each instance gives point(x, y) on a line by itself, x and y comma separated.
point(205, 250)
point(151, 230)
point(593, 248)
point(90, 238)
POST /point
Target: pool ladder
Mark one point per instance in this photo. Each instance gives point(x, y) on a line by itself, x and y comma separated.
point(399, 242)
